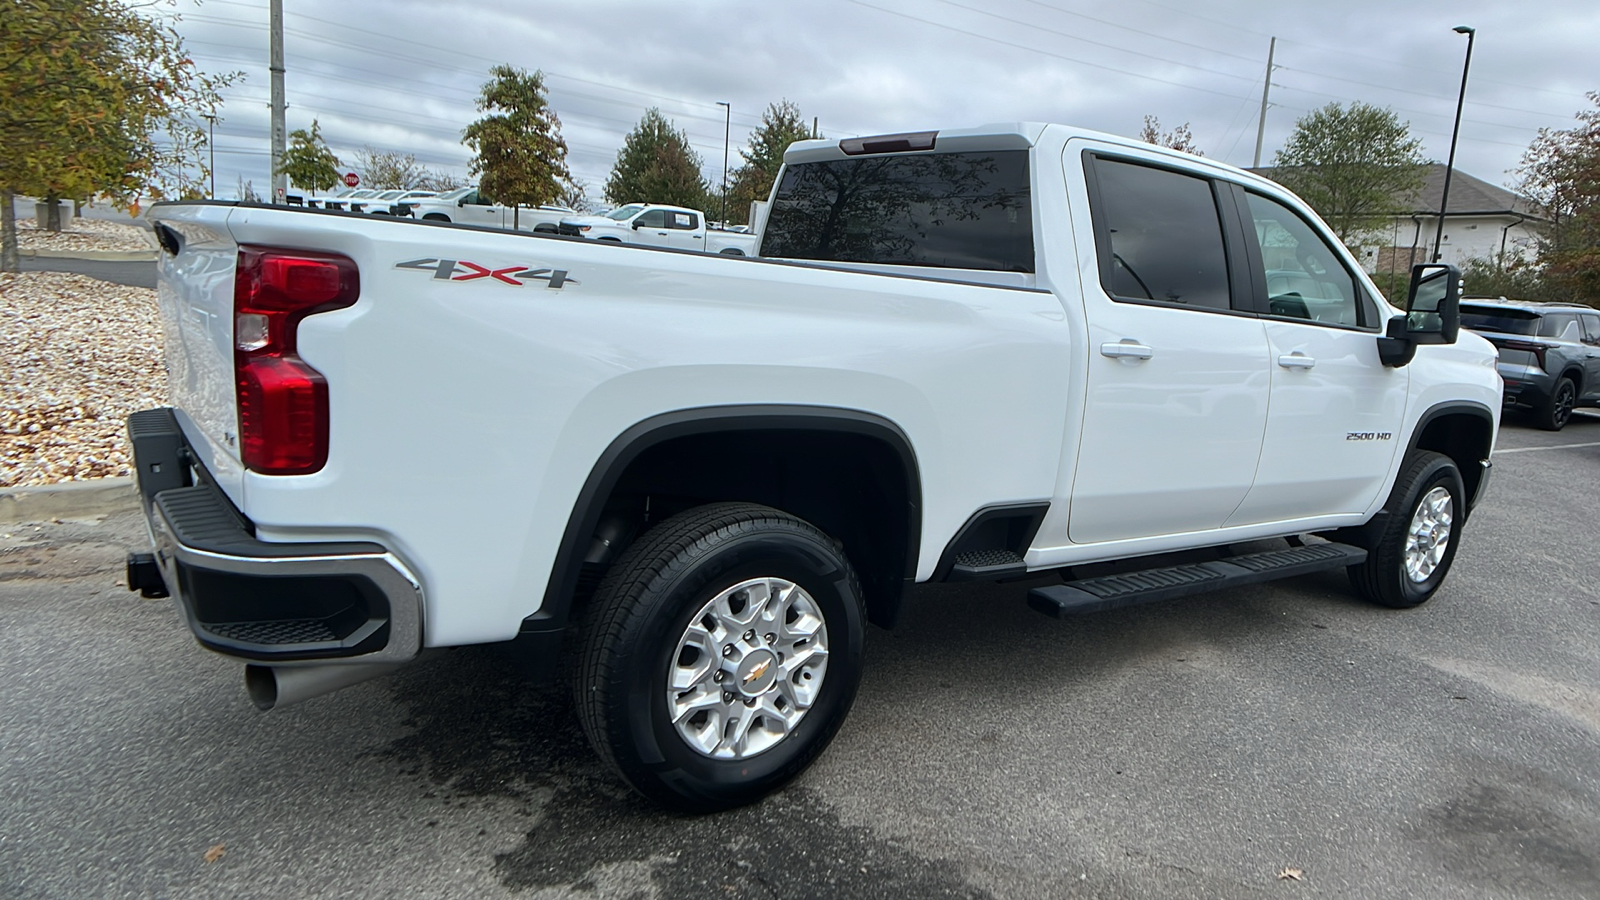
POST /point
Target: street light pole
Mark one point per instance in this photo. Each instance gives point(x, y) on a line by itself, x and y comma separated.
point(1449, 167)
point(211, 144)
point(727, 126)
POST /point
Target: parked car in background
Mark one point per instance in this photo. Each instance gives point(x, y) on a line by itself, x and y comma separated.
point(660, 226)
point(344, 198)
point(383, 203)
point(469, 206)
point(1549, 354)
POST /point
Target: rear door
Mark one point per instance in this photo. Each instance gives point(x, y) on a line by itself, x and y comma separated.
point(1591, 346)
point(1177, 383)
point(1334, 423)
point(684, 230)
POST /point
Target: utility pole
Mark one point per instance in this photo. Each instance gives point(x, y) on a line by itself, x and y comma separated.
point(1266, 88)
point(727, 126)
point(280, 181)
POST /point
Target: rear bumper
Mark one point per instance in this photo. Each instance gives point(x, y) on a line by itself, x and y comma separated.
point(261, 601)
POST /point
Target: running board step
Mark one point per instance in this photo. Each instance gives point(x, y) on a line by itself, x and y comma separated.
point(987, 565)
point(1153, 585)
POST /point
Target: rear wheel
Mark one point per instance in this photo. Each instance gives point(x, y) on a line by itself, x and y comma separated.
point(1409, 556)
point(720, 656)
point(1556, 411)
point(435, 217)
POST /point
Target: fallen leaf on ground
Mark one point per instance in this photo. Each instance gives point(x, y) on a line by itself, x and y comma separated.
point(1291, 875)
point(215, 853)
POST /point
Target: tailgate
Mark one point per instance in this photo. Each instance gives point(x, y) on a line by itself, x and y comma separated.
point(195, 292)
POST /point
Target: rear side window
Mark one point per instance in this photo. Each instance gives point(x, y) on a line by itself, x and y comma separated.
point(1499, 321)
point(946, 210)
point(1561, 326)
point(1591, 328)
point(1160, 236)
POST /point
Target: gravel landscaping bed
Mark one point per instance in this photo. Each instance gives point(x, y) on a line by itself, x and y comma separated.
point(80, 355)
point(83, 234)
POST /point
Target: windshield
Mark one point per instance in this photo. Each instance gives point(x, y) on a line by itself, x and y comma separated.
point(624, 212)
point(388, 195)
point(1499, 321)
point(456, 194)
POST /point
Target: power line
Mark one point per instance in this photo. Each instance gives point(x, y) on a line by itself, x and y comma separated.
point(962, 31)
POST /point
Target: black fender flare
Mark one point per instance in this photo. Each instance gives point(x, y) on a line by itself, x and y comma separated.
point(625, 448)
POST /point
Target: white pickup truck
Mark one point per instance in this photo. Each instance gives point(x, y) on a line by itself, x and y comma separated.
point(961, 355)
point(654, 225)
point(468, 206)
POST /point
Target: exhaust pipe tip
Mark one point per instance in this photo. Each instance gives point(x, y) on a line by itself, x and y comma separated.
point(270, 687)
point(261, 683)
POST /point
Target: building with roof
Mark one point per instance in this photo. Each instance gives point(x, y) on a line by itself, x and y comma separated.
point(1482, 222)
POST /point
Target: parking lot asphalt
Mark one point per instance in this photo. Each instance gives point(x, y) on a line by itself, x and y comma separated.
point(1213, 747)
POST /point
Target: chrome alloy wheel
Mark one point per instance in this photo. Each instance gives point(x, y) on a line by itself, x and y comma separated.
point(1429, 535)
point(748, 668)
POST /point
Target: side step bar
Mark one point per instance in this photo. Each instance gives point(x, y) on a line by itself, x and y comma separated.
point(1091, 595)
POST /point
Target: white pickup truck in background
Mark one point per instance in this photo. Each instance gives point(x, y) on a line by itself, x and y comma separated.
point(469, 206)
point(961, 355)
point(655, 225)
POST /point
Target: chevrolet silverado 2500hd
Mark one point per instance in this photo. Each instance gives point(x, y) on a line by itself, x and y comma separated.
point(963, 355)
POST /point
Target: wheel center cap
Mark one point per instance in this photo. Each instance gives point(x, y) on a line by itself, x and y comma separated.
point(756, 673)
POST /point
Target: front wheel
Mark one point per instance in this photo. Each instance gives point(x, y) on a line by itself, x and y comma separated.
point(720, 656)
point(435, 217)
point(1409, 556)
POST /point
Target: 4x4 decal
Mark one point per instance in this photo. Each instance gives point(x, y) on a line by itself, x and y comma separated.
point(461, 270)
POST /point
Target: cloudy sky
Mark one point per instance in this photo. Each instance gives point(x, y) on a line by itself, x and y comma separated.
point(403, 74)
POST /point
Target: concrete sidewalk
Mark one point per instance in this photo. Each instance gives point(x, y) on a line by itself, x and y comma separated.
point(70, 500)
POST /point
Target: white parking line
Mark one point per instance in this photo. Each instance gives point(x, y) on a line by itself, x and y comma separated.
point(1557, 447)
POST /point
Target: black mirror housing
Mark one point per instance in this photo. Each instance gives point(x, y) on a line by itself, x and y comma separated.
point(1433, 304)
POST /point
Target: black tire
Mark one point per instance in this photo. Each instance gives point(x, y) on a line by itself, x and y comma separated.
point(1384, 578)
point(630, 642)
point(435, 217)
point(546, 228)
point(1556, 411)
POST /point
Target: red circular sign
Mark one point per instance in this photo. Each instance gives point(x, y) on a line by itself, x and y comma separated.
point(351, 179)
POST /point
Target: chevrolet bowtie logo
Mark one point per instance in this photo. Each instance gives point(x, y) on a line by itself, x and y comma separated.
point(757, 672)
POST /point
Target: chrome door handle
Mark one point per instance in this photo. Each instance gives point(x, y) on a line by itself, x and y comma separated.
point(1127, 348)
point(1296, 360)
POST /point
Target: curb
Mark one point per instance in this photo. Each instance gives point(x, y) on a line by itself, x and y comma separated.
point(71, 500)
point(103, 255)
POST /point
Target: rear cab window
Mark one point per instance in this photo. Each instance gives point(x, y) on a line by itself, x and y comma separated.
point(958, 210)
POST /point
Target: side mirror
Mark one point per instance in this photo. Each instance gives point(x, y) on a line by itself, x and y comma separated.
point(1433, 305)
point(637, 224)
point(462, 202)
point(1433, 314)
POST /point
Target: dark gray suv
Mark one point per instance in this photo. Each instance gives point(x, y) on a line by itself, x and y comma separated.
point(1549, 354)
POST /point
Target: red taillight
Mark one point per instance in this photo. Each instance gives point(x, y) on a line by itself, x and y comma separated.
point(283, 402)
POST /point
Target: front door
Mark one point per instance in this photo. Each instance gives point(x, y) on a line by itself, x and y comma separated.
point(650, 228)
point(1177, 383)
point(1336, 412)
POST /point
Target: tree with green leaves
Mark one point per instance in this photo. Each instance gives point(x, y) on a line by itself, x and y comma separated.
point(96, 97)
point(518, 154)
point(657, 165)
point(781, 125)
point(307, 160)
point(1177, 139)
point(1561, 172)
point(1356, 166)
